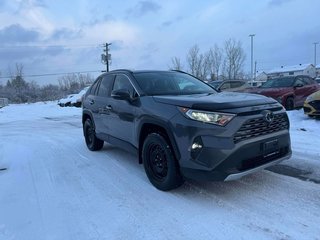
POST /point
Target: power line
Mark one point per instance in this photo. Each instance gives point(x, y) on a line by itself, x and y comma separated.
point(51, 46)
point(54, 74)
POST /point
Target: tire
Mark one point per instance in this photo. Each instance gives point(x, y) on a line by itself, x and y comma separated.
point(289, 105)
point(160, 165)
point(77, 104)
point(93, 143)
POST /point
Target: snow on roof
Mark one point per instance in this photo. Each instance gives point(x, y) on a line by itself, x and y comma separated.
point(298, 67)
point(318, 66)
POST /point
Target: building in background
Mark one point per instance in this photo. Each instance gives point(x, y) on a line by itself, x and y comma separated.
point(318, 71)
point(300, 69)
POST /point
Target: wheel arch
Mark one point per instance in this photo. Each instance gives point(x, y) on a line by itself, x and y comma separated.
point(288, 96)
point(87, 115)
point(148, 127)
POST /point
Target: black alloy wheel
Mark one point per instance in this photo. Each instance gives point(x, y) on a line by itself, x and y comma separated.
point(93, 143)
point(160, 164)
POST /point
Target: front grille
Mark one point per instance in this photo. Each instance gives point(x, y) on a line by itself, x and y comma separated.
point(306, 109)
point(259, 127)
point(315, 104)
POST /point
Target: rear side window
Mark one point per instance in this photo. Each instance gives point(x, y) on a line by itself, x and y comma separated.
point(104, 88)
point(309, 81)
point(300, 81)
point(236, 84)
point(226, 85)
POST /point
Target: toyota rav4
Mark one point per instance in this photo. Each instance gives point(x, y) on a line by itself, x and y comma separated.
point(181, 128)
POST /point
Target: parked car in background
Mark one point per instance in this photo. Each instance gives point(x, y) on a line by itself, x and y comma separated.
point(65, 102)
point(311, 106)
point(4, 102)
point(181, 128)
point(76, 99)
point(230, 85)
point(291, 92)
point(317, 80)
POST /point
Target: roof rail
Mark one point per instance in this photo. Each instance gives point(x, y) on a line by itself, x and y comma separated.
point(121, 69)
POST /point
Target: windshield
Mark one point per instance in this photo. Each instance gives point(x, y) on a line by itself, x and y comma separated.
point(278, 83)
point(171, 83)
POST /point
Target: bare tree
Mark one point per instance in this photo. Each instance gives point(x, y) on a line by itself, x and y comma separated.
point(215, 59)
point(198, 63)
point(193, 59)
point(72, 83)
point(234, 59)
point(204, 66)
point(176, 64)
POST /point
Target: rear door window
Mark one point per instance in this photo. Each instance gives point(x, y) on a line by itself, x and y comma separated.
point(300, 81)
point(226, 85)
point(236, 84)
point(105, 86)
point(93, 89)
point(308, 80)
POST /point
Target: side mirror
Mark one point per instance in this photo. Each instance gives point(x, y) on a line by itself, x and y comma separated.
point(121, 94)
point(216, 88)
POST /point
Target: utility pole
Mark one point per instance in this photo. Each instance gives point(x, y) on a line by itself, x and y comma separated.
point(251, 36)
point(105, 58)
point(255, 70)
point(315, 53)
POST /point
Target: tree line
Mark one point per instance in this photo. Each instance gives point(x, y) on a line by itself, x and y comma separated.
point(217, 63)
point(18, 90)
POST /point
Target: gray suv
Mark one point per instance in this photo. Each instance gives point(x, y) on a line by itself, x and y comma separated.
point(181, 128)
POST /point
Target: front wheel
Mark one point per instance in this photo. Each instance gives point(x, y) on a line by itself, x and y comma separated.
point(93, 143)
point(160, 164)
point(289, 105)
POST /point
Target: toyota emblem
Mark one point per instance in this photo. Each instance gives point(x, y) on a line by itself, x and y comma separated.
point(268, 116)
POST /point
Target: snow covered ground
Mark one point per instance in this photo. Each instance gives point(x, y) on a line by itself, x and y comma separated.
point(54, 188)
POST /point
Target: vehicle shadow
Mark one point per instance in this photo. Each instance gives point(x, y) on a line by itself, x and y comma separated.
point(254, 184)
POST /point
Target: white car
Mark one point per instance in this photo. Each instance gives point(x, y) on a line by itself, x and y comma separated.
point(65, 102)
point(76, 99)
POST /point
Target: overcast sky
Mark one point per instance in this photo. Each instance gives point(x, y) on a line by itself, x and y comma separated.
point(67, 36)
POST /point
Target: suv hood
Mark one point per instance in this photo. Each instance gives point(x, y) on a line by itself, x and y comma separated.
point(215, 101)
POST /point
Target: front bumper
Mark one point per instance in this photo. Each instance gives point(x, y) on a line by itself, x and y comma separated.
point(235, 176)
point(228, 153)
point(245, 158)
point(312, 108)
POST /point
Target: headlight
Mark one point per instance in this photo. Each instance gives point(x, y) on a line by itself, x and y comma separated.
point(217, 118)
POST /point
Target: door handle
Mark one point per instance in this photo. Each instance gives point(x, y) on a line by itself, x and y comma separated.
point(91, 101)
point(108, 107)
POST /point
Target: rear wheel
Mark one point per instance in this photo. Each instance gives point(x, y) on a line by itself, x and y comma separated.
point(93, 143)
point(160, 164)
point(289, 105)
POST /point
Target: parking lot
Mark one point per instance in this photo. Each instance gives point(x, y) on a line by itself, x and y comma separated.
point(52, 187)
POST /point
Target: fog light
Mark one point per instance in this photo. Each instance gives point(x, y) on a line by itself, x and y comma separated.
point(196, 146)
